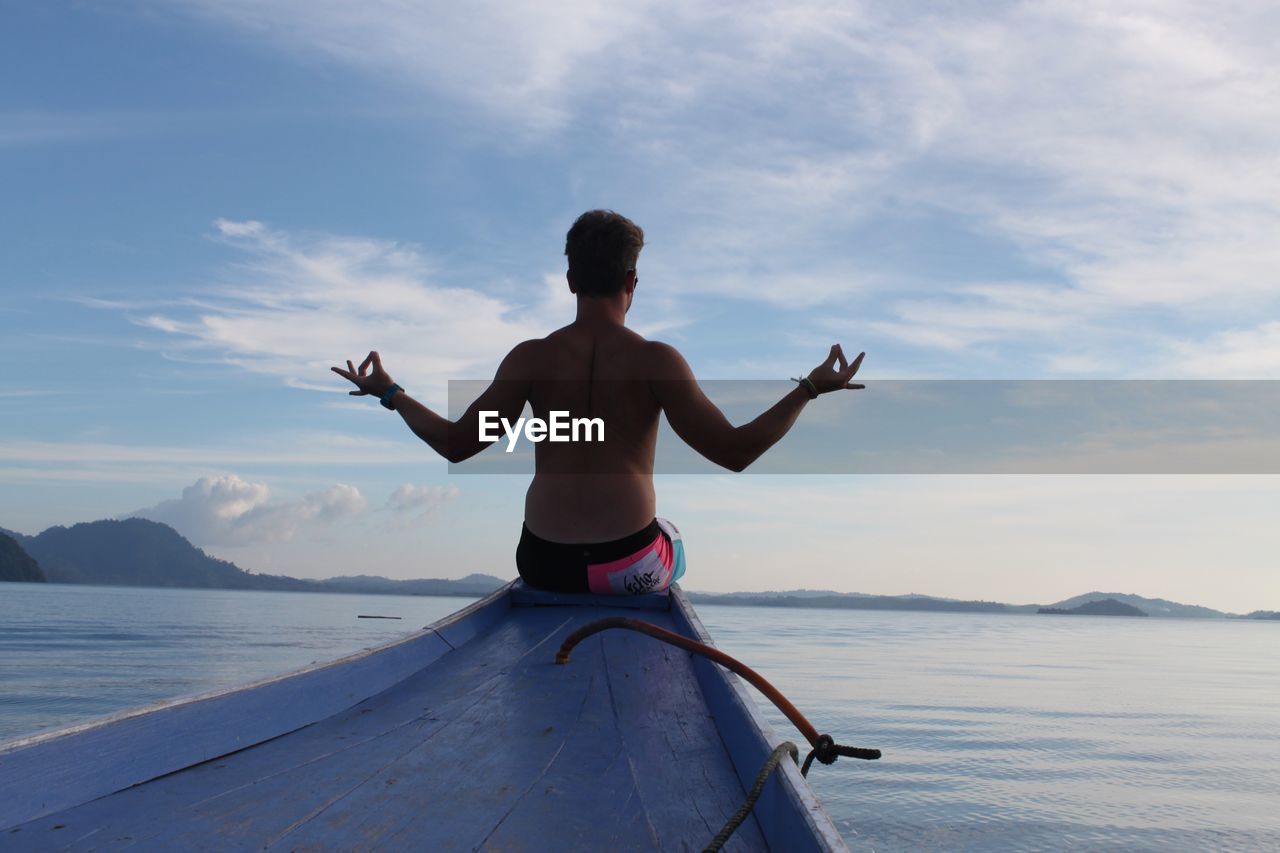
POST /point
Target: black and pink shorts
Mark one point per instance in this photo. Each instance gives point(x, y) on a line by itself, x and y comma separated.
point(649, 560)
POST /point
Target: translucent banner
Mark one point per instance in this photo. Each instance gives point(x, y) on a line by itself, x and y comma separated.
point(891, 427)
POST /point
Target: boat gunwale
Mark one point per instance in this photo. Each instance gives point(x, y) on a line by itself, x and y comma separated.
point(53, 761)
point(113, 776)
point(795, 787)
point(25, 741)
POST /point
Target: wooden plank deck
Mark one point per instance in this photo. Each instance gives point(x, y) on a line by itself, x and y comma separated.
point(491, 746)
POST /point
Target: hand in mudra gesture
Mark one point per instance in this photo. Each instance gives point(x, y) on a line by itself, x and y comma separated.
point(374, 383)
point(834, 373)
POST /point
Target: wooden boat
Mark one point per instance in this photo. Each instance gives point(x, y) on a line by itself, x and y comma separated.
point(463, 736)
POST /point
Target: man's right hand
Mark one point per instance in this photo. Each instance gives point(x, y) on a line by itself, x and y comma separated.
point(373, 384)
point(834, 373)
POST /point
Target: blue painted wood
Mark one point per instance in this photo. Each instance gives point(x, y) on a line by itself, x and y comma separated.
point(489, 745)
point(790, 815)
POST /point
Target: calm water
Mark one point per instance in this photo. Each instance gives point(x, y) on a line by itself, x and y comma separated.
point(999, 732)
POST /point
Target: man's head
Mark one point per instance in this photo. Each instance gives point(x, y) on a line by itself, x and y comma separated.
point(603, 248)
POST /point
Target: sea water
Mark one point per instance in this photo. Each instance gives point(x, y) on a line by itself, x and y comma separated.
point(1001, 732)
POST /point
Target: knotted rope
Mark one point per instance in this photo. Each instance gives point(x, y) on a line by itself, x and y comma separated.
point(787, 748)
point(824, 747)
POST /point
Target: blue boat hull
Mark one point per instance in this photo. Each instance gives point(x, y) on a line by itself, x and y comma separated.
point(464, 736)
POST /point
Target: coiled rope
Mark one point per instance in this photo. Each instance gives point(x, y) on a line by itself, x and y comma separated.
point(824, 747)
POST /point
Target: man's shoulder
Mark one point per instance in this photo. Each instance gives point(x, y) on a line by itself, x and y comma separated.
point(664, 360)
point(524, 359)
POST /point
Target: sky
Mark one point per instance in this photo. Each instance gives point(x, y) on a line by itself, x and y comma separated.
point(207, 204)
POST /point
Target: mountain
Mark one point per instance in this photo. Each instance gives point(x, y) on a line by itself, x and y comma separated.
point(139, 552)
point(861, 601)
point(474, 584)
point(854, 601)
point(20, 538)
point(1096, 607)
point(1150, 606)
point(16, 564)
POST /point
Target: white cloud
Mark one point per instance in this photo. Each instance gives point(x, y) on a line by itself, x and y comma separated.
point(1125, 150)
point(508, 57)
point(227, 510)
point(32, 128)
point(106, 461)
point(1239, 353)
point(416, 503)
point(297, 304)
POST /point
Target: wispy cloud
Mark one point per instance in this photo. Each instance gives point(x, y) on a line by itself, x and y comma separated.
point(294, 305)
point(411, 504)
point(507, 58)
point(1233, 352)
point(23, 393)
point(42, 128)
point(27, 460)
point(1126, 152)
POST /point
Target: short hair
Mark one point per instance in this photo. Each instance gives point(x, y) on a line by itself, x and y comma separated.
point(602, 247)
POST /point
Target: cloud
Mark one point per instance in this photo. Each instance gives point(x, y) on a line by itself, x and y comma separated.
point(294, 305)
point(44, 128)
point(106, 461)
point(1248, 352)
point(1120, 157)
point(227, 510)
point(416, 503)
point(505, 57)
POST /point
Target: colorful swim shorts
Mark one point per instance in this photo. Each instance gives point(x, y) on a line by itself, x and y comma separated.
point(646, 561)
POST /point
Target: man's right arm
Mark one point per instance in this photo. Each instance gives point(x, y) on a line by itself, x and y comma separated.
point(702, 425)
point(454, 440)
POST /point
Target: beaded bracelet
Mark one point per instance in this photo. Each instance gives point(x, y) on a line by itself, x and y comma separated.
point(807, 384)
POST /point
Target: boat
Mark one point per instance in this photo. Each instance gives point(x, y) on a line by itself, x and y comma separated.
point(466, 735)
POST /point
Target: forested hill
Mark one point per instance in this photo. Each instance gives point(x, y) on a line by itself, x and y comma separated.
point(1096, 607)
point(1130, 604)
point(138, 552)
point(1149, 606)
point(15, 563)
point(853, 601)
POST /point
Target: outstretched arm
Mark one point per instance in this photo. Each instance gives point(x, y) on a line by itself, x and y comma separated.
point(454, 440)
point(704, 427)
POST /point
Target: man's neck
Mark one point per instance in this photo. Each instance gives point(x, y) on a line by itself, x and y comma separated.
point(601, 311)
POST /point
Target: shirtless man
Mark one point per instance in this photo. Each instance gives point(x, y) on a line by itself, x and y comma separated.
point(590, 513)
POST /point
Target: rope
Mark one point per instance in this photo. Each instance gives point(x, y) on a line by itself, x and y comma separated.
point(824, 747)
point(787, 748)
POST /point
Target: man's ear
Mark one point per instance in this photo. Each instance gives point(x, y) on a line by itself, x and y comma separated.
point(632, 280)
point(569, 278)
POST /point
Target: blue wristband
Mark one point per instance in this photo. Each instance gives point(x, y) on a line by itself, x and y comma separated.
point(389, 395)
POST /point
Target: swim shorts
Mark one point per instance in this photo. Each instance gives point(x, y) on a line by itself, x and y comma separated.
point(649, 560)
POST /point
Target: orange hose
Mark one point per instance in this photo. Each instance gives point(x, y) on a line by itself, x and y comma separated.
point(758, 681)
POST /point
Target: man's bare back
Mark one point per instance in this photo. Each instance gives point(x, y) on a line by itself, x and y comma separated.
point(587, 492)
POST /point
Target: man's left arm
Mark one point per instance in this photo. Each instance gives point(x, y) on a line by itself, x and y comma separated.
point(454, 440)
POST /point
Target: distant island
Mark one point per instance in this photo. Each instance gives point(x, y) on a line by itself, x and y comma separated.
point(1099, 607)
point(140, 552)
point(827, 599)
